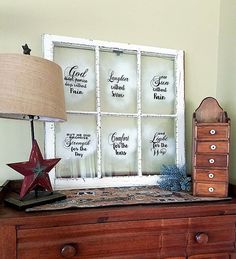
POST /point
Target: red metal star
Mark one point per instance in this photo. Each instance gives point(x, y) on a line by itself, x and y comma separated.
point(35, 171)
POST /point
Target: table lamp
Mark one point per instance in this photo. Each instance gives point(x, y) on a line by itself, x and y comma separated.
point(31, 88)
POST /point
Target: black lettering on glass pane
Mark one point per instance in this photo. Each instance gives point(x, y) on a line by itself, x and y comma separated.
point(77, 143)
point(119, 143)
point(75, 79)
point(159, 144)
point(117, 85)
point(159, 86)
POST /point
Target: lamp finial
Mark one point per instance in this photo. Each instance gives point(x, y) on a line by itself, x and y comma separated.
point(26, 49)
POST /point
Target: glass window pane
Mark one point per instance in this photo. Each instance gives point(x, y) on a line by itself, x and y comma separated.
point(118, 82)
point(158, 85)
point(158, 144)
point(78, 67)
point(76, 144)
point(119, 146)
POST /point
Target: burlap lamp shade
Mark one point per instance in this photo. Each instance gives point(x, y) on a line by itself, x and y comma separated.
point(31, 85)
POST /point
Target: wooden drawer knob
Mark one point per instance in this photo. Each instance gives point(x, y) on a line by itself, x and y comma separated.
point(69, 251)
point(211, 161)
point(212, 132)
point(201, 238)
point(211, 189)
point(213, 147)
point(211, 175)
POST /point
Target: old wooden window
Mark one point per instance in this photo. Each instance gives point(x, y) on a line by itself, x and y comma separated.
point(125, 110)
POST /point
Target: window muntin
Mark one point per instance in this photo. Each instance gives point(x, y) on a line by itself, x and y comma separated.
point(126, 118)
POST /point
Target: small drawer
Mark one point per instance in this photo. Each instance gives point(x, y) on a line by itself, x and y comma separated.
point(209, 160)
point(212, 147)
point(205, 189)
point(213, 131)
point(211, 175)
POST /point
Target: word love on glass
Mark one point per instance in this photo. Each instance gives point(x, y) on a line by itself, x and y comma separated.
point(75, 79)
point(119, 143)
point(159, 144)
point(159, 86)
point(78, 144)
point(117, 84)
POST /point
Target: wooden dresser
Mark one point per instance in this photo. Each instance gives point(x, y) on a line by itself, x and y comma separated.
point(210, 155)
point(191, 230)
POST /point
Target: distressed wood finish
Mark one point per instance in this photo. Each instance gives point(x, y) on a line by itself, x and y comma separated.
point(200, 230)
point(210, 155)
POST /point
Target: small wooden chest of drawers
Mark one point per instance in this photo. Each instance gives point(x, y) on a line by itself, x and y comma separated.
point(210, 156)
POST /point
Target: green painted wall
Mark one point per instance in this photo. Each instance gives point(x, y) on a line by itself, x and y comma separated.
point(191, 25)
point(226, 81)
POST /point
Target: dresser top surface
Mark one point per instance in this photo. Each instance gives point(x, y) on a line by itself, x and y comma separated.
point(11, 216)
point(118, 213)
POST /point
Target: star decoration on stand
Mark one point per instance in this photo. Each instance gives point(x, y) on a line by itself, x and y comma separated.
point(35, 171)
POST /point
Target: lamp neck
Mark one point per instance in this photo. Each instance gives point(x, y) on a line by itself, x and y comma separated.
point(31, 118)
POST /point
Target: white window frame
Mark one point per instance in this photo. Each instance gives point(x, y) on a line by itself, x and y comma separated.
point(51, 41)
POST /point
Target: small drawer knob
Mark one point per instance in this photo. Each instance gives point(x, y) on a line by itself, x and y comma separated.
point(211, 175)
point(211, 189)
point(201, 238)
point(69, 250)
point(212, 132)
point(213, 147)
point(211, 161)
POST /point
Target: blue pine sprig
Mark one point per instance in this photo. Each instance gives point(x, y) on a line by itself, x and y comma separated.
point(174, 178)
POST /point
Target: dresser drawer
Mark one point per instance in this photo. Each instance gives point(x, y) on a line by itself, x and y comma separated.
point(211, 189)
point(212, 147)
point(89, 241)
point(130, 239)
point(211, 234)
point(211, 160)
point(211, 132)
point(211, 175)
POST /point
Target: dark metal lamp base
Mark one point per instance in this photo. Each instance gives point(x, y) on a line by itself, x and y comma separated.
point(30, 200)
